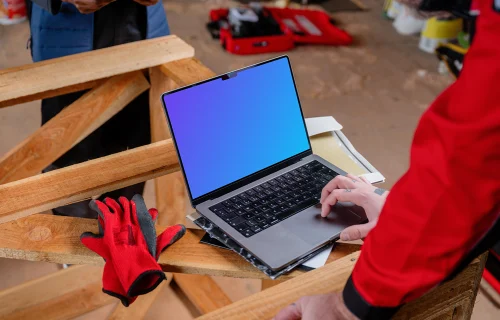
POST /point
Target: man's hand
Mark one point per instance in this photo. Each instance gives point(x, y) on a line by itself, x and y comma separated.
point(324, 307)
point(360, 192)
point(147, 3)
point(89, 6)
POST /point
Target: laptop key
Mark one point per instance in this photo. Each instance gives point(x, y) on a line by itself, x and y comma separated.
point(236, 221)
point(273, 221)
point(217, 208)
point(241, 227)
point(258, 189)
point(253, 199)
point(275, 188)
point(228, 217)
point(256, 229)
point(251, 192)
point(261, 195)
point(251, 223)
point(267, 215)
point(245, 202)
point(248, 233)
point(247, 216)
point(240, 212)
point(301, 206)
point(265, 185)
point(273, 182)
point(264, 208)
point(264, 225)
point(259, 219)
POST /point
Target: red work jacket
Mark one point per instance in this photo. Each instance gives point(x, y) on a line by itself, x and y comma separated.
point(445, 210)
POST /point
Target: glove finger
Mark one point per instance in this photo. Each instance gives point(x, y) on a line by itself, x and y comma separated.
point(168, 237)
point(114, 206)
point(154, 214)
point(101, 209)
point(125, 217)
point(95, 243)
point(145, 221)
point(100, 224)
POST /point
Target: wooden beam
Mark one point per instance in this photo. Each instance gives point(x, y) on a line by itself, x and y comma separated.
point(63, 294)
point(202, 291)
point(70, 126)
point(82, 181)
point(140, 307)
point(187, 71)
point(56, 239)
point(332, 278)
point(171, 195)
point(52, 93)
point(74, 72)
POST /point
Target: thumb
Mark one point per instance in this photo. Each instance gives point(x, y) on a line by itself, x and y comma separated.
point(290, 312)
point(95, 243)
point(357, 232)
point(168, 237)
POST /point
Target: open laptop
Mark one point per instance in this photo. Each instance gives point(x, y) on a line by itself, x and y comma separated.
point(249, 168)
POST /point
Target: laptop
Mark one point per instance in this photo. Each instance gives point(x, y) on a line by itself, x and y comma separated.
point(249, 168)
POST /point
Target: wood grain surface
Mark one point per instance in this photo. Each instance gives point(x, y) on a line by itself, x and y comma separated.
point(61, 295)
point(172, 199)
point(34, 80)
point(82, 181)
point(332, 277)
point(203, 292)
point(187, 71)
point(70, 126)
point(41, 237)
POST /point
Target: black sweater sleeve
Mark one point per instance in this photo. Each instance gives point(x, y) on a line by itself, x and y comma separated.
point(52, 6)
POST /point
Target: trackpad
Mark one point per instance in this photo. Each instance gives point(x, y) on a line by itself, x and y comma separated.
point(313, 229)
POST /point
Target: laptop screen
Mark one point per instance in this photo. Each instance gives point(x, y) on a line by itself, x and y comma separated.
point(235, 125)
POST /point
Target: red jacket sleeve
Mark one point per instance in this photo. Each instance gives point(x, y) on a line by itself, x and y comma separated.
point(449, 198)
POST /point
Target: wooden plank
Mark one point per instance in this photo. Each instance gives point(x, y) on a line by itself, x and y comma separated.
point(57, 239)
point(140, 307)
point(67, 306)
point(50, 75)
point(51, 286)
point(64, 294)
point(187, 71)
point(172, 198)
point(203, 292)
point(71, 126)
point(53, 93)
point(266, 284)
point(332, 278)
point(82, 181)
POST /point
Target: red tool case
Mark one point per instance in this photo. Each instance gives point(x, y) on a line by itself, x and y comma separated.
point(299, 26)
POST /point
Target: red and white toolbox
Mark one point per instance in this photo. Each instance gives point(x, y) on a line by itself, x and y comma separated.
point(263, 29)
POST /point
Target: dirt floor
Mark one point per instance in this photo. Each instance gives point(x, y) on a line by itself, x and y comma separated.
point(377, 89)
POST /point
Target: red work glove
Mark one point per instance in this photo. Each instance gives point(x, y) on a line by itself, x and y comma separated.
point(128, 243)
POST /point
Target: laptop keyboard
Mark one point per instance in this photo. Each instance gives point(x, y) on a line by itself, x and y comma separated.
point(267, 204)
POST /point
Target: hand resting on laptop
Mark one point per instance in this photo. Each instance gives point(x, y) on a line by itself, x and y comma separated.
point(359, 191)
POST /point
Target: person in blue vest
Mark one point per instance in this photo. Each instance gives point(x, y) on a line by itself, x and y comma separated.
point(61, 28)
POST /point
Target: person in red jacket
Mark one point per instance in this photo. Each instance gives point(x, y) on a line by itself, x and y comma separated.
point(443, 212)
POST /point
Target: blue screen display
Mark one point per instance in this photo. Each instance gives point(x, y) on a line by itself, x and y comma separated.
point(228, 129)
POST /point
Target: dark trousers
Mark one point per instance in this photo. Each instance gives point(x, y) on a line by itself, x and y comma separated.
point(130, 128)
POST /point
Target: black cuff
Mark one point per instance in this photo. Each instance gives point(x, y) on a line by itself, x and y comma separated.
point(362, 309)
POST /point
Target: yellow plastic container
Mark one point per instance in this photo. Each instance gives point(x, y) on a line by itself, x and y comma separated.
point(438, 31)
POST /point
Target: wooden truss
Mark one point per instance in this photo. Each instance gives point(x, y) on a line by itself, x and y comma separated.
point(114, 77)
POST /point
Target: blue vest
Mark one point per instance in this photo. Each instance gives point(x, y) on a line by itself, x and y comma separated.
point(70, 32)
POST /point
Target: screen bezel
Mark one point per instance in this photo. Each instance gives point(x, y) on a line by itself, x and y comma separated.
point(254, 176)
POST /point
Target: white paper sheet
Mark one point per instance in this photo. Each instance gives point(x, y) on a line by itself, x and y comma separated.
point(321, 125)
point(320, 259)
